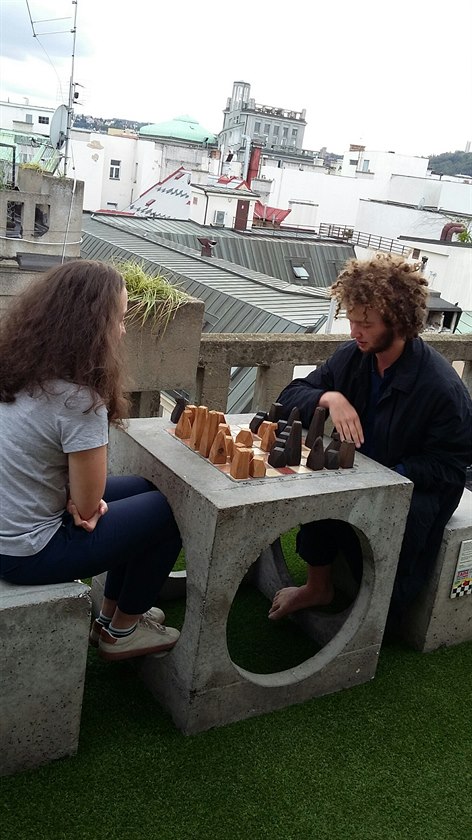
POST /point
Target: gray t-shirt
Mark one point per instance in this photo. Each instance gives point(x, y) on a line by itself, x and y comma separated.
point(36, 433)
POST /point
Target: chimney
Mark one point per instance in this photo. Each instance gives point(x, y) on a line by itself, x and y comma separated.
point(207, 247)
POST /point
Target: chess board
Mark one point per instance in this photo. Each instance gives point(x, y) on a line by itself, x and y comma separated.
point(271, 472)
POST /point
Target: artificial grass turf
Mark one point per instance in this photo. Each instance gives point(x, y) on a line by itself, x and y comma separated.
point(388, 760)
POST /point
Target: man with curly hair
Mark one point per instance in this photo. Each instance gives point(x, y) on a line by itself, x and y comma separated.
point(404, 406)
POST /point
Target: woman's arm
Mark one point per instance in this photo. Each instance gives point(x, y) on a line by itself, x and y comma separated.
point(87, 477)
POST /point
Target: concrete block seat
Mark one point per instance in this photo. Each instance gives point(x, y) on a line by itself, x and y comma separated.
point(43, 650)
point(437, 620)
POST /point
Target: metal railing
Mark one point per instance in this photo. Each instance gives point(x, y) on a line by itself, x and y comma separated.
point(364, 240)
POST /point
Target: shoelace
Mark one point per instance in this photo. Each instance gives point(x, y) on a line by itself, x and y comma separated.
point(149, 622)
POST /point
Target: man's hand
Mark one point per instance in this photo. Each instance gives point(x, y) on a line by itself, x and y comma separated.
point(87, 524)
point(344, 416)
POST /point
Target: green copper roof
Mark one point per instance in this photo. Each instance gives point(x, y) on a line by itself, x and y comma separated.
point(180, 128)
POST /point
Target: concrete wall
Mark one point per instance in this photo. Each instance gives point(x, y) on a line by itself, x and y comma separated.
point(62, 199)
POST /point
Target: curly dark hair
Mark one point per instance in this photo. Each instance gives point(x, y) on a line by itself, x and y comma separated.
point(391, 285)
point(66, 326)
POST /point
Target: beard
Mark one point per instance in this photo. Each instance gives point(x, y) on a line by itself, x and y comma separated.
point(384, 341)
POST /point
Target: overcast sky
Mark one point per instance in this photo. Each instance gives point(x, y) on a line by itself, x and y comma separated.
point(393, 76)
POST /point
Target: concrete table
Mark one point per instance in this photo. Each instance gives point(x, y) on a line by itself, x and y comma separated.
point(226, 525)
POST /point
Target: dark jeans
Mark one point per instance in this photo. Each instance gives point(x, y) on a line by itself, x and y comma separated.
point(137, 542)
point(319, 542)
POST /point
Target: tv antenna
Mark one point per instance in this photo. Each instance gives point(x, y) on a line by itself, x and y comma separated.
point(72, 94)
point(62, 119)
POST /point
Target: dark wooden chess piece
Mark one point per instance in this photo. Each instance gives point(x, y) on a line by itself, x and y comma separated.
point(293, 447)
point(277, 457)
point(275, 412)
point(178, 409)
point(316, 428)
point(331, 458)
point(315, 459)
point(257, 420)
point(294, 415)
point(346, 454)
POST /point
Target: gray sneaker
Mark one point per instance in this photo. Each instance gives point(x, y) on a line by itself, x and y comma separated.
point(155, 613)
point(149, 637)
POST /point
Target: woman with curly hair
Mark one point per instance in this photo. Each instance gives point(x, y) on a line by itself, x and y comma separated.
point(404, 406)
point(61, 519)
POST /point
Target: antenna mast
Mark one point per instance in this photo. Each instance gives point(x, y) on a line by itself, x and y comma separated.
point(70, 104)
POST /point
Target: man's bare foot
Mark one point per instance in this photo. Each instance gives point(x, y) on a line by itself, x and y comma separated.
point(294, 598)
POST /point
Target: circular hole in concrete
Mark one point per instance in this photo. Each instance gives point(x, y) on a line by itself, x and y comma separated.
point(259, 645)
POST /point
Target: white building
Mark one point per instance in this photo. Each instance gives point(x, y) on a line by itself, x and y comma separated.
point(23, 117)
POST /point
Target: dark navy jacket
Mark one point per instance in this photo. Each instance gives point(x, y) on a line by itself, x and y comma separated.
point(423, 419)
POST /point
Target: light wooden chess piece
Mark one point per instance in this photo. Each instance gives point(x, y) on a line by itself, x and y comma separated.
point(183, 429)
point(198, 426)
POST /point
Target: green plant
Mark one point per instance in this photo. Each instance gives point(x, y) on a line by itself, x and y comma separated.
point(151, 299)
point(36, 166)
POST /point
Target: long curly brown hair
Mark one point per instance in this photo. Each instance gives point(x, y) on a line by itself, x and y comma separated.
point(66, 325)
point(391, 285)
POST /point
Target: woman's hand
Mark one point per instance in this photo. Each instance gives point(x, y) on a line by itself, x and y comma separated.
point(344, 416)
point(87, 524)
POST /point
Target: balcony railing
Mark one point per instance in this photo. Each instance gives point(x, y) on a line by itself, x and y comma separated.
point(365, 240)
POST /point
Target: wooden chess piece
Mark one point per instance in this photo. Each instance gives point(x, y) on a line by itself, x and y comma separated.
point(178, 409)
point(209, 433)
point(268, 439)
point(201, 415)
point(240, 463)
point(294, 415)
point(334, 444)
point(257, 467)
point(277, 457)
point(315, 458)
point(335, 440)
point(316, 428)
point(229, 446)
point(346, 454)
point(245, 437)
point(266, 424)
point(293, 447)
point(331, 457)
point(183, 429)
point(217, 454)
point(281, 425)
point(193, 409)
point(275, 412)
point(257, 420)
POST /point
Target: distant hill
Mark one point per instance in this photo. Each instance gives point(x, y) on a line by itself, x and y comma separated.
point(102, 125)
point(452, 163)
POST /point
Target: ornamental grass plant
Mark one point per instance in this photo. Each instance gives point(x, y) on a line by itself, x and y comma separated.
point(152, 299)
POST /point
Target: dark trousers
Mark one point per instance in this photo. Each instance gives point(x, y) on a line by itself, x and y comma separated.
point(319, 542)
point(137, 542)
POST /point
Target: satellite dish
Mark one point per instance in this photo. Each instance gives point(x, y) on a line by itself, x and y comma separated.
point(58, 128)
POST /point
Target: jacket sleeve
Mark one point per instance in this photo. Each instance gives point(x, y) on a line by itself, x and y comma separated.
point(305, 394)
point(446, 449)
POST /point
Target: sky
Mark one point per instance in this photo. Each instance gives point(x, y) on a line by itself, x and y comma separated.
point(394, 77)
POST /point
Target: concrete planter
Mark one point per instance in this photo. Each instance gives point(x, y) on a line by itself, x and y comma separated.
point(166, 359)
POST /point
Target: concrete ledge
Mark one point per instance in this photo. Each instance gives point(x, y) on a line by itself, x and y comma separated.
point(437, 620)
point(43, 649)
